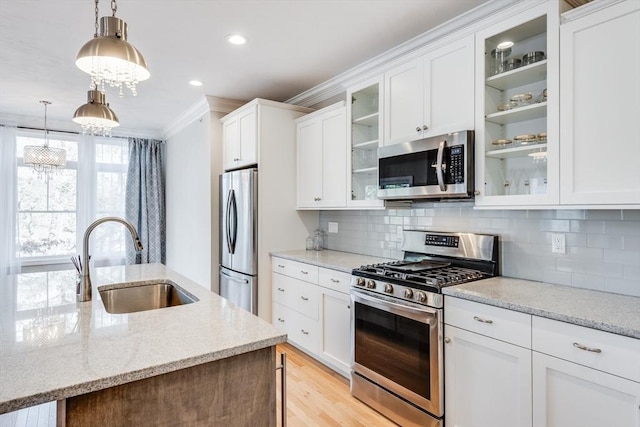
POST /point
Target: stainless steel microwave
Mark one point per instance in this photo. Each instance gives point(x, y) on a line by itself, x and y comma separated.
point(436, 167)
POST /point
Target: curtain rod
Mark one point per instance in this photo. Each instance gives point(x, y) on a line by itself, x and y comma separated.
point(59, 131)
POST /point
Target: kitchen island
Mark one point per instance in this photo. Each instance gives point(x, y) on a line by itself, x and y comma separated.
point(204, 362)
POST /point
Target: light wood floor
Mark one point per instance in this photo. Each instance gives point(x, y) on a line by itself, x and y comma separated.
point(316, 396)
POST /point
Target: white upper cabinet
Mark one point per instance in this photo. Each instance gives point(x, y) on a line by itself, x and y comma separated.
point(430, 95)
point(365, 134)
point(517, 110)
point(240, 138)
point(600, 108)
point(322, 160)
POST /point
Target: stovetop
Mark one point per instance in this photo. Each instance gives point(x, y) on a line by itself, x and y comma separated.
point(431, 262)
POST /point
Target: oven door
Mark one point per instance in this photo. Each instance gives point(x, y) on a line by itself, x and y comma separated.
point(397, 345)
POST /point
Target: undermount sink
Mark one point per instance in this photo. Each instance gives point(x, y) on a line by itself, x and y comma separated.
point(142, 296)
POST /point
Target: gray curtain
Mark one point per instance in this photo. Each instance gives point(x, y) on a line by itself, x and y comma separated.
point(145, 200)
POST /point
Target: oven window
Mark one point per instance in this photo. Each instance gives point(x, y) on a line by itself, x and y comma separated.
point(393, 346)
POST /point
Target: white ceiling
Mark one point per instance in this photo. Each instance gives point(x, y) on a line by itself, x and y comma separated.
point(293, 45)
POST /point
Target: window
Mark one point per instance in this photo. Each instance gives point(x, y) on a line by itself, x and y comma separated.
point(52, 214)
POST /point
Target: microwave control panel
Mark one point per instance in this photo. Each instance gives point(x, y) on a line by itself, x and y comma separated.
point(456, 162)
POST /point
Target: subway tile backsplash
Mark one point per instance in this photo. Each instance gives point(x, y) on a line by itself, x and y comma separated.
point(603, 247)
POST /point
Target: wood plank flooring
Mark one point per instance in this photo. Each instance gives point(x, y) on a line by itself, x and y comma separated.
point(316, 397)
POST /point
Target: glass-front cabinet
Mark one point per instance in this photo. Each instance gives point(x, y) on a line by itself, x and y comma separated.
point(363, 112)
point(517, 110)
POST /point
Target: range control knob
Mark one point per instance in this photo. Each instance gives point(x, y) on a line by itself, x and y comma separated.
point(371, 284)
point(360, 281)
point(421, 296)
point(408, 293)
point(388, 288)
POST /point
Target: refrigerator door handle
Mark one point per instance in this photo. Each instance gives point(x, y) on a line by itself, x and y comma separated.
point(234, 206)
point(233, 279)
point(228, 217)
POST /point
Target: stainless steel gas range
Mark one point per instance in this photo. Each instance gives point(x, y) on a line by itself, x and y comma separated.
point(396, 322)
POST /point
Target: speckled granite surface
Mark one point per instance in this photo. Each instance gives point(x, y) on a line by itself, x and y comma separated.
point(342, 261)
point(52, 347)
point(615, 313)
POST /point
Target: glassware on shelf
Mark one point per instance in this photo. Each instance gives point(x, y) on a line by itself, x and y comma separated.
point(511, 64)
point(522, 99)
point(532, 57)
point(526, 139)
point(502, 142)
point(499, 56)
point(539, 156)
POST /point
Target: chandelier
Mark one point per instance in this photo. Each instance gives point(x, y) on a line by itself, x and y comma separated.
point(44, 159)
point(109, 58)
point(95, 117)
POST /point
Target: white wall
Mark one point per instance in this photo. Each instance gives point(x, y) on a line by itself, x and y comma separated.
point(189, 201)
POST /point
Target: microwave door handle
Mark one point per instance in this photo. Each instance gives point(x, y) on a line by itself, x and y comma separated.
point(441, 183)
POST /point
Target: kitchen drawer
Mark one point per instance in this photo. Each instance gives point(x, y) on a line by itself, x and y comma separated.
point(495, 322)
point(618, 355)
point(296, 294)
point(333, 279)
point(301, 330)
point(299, 270)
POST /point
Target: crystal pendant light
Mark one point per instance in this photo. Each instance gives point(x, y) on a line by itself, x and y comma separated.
point(95, 117)
point(44, 159)
point(109, 58)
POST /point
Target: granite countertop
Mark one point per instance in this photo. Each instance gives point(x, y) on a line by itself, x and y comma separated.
point(52, 347)
point(608, 312)
point(335, 260)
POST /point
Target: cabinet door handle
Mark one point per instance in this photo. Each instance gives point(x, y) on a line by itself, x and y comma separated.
point(304, 298)
point(349, 307)
point(283, 388)
point(585, 348)
point(425, 127)
point(317, 199)
point(281, 290)
point(447, 340)
point(418, 129)
point(304, 272)
point(479, 319)
point(335, 280)
point(236, 160)
point(280, 265)
point(477, 192)
point(280, 319)
point(304, 332)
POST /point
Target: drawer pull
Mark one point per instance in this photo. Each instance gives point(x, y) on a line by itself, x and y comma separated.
point(335, 280)
point(280, 319)
point(304, 332)
point(304, 272)
point(281, 290)
point(304, 298)
point(479, 319)
point(585, 348)
point(280, 265)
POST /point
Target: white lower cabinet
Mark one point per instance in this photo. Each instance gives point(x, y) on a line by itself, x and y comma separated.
point(312, 305)
point(487, 380)
point(566, 394)
point(583, 377)
point(566, 376)
point(335, 342)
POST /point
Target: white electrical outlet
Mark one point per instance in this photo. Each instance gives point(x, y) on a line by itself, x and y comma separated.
point(558, 244)
point(333, 227)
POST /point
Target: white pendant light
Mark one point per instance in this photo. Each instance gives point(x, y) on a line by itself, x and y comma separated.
point(95, 117)
point(44, 159)
point(109, 58)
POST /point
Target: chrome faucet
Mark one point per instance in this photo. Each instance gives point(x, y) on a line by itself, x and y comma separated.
point(83, 292)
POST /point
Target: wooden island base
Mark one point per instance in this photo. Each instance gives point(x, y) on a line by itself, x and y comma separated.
point(237, 391)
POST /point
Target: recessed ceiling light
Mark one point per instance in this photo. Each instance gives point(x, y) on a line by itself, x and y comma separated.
point(195, 83)
point(505, 45)
point(236, 39)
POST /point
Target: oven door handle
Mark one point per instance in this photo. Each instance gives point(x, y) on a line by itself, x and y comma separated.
point(414, 311)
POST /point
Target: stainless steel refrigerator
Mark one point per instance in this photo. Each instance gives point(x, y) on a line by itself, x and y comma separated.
point(239, 238)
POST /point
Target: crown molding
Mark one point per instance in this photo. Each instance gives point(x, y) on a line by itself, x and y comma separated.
point(465, 24)
point(205, 105)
